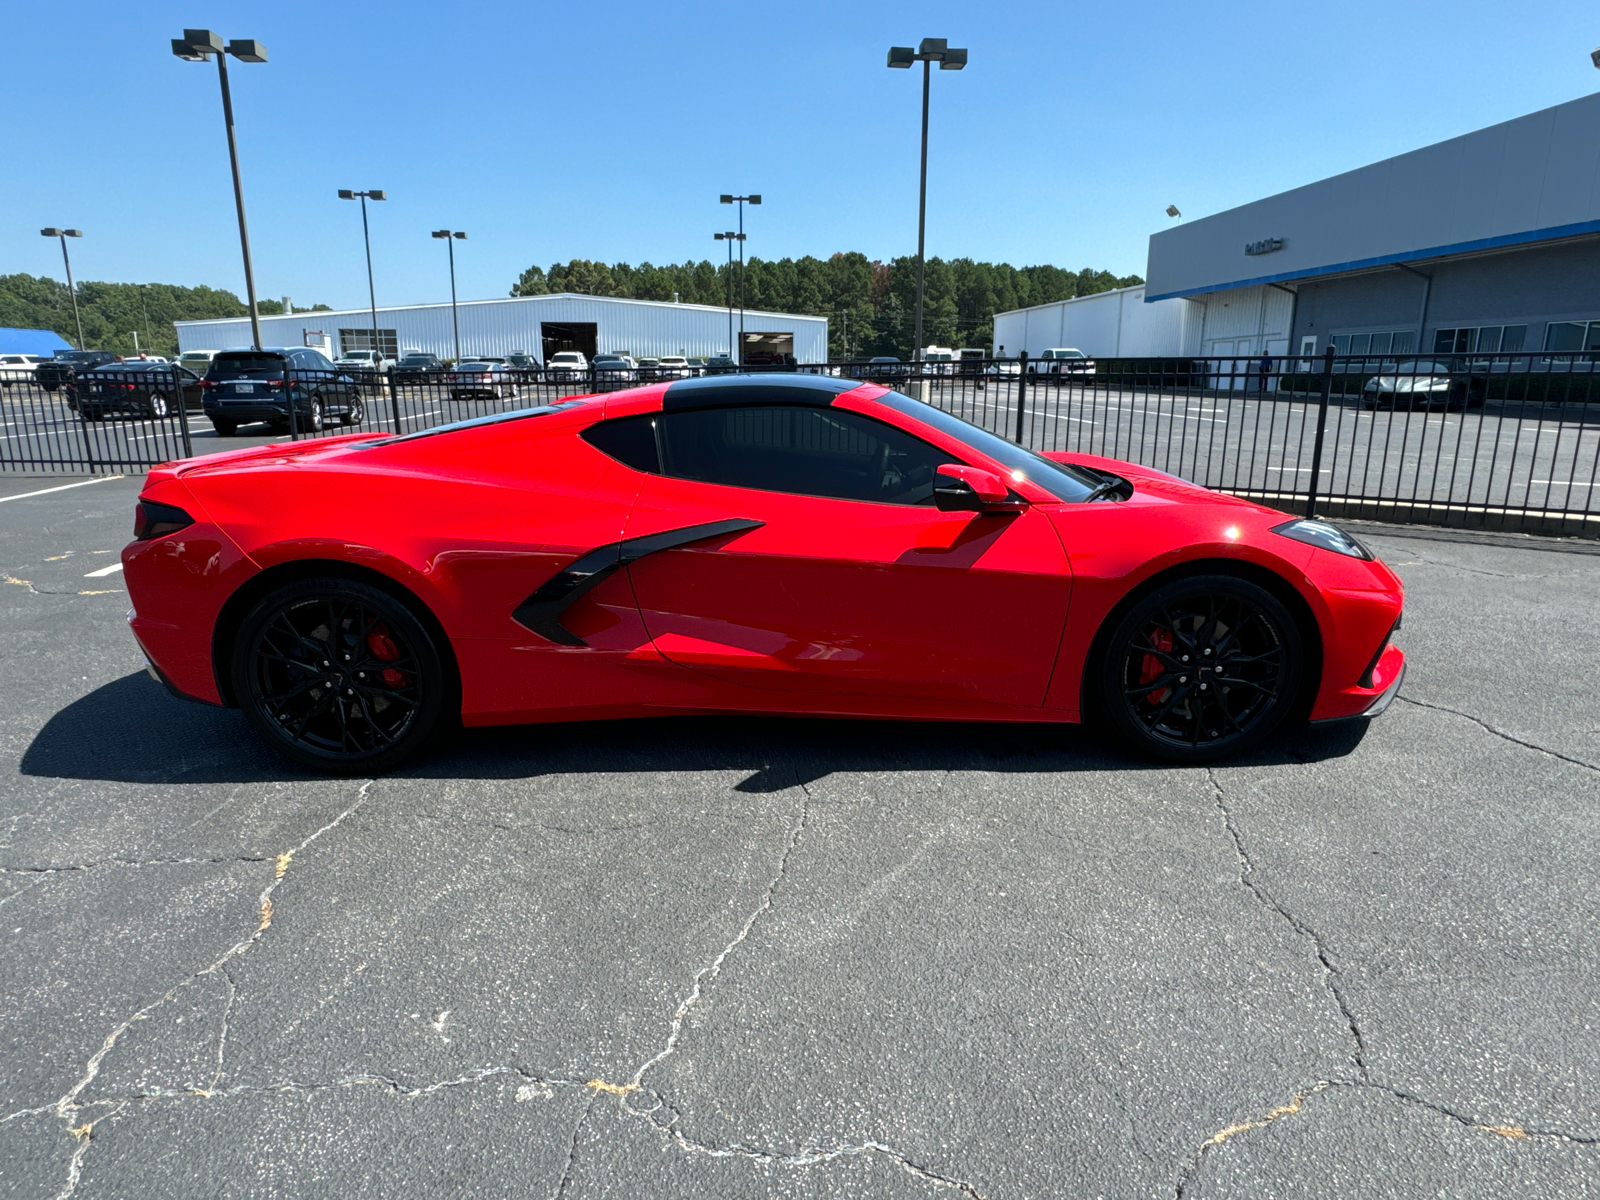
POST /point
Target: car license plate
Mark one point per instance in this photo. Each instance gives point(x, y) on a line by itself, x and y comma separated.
point(244, 387)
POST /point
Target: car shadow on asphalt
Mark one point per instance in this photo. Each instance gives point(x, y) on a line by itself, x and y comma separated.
point(132, 731)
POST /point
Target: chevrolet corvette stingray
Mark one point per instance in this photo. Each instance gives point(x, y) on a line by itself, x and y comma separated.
point(779, 543)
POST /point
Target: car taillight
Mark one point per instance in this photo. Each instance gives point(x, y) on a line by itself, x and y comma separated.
point(274, 383)
point(210, 383)
point(152, 520)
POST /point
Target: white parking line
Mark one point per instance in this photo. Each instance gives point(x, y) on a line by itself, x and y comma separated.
point(104, 571)
point(62, 488)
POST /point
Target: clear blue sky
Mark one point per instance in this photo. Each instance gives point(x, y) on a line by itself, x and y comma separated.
point(607, 130)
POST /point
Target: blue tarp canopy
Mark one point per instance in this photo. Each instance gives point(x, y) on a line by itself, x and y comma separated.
point(31, 341)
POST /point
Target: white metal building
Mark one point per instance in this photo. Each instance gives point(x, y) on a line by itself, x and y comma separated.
point(1114, 324)
point(1487, 242)
point(536, 325)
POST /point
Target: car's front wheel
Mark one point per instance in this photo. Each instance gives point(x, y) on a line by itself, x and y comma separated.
point(156, 405)
point(1202, 668)
point(339, 676)
point(355, 413)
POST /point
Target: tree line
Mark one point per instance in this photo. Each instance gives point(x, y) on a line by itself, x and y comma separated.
point(871, 305)
point(113, 312)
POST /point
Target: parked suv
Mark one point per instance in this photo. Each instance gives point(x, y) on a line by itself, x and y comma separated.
point(414, 368)
point(259, 385)
point(61, 369)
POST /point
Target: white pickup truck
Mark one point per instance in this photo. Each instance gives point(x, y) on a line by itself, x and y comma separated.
point(18, 368)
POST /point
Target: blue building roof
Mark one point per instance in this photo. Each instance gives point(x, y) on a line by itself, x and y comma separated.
point(31, 341)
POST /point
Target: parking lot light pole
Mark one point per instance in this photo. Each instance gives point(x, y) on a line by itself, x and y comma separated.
point(730, 237)
point(197, 45)
point(741, 201)
point(366, 237)
point(64, 234)
point(449, 236)
point(930, 51)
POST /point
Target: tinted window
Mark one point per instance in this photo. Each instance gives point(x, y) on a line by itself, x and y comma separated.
point(246, 363)
point(629, 440)
point(1060, 480)
point(809, 451)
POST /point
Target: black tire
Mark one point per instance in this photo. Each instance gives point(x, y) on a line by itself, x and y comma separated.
point(315, 418)
point(224, 428)
point(355, 411)
point(1159, 685)
point(156, 405)
point(304, 644)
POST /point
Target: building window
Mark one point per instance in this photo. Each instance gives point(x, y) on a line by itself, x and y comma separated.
point(361, 339)
point(1571, 337)
point(1379, 345)
point(1481, 339)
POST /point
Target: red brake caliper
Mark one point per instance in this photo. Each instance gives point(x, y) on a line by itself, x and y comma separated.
point(1152, 667)
point(383, 649)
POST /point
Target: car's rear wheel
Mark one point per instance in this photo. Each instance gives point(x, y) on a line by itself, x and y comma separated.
point(1202, 668)
point(314, 419)
point(225, 428)
point(339, 676)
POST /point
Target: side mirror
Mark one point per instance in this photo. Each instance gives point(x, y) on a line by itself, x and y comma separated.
point(959, 488)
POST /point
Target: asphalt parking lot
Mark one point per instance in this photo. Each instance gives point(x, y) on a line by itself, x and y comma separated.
point(746, 958)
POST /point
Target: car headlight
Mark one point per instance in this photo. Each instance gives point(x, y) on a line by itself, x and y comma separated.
point(1325, 537)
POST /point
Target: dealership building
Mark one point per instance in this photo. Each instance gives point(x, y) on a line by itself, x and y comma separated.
point(536, 325)
point(1489, 242)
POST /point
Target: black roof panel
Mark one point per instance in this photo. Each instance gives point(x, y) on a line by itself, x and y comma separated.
point(725, 391)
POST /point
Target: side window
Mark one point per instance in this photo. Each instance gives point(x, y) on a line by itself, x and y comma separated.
point(629, 440)
point(807, 451)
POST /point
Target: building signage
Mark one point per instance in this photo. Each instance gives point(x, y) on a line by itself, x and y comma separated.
point(1264, 246)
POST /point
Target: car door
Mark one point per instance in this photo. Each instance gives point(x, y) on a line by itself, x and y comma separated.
point(189, 389)
point(809, 557)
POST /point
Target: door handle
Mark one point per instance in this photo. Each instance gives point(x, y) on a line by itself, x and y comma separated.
point(541, 612)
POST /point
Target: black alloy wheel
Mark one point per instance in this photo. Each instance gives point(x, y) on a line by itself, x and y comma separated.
point(339, 676)
point(1202, 668)
point(155, 405)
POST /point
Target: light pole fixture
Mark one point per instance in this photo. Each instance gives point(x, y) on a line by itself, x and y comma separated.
point(741, 201)
point(197, 45)
point(1172, 211)
point(64, 234)
point(450, 237)
point(1594, 56)
point(731, 237)
point(372, 294)
point(930, 51)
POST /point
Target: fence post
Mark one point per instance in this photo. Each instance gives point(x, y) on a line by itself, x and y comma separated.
point(394, 400)
point(1022, 393)
point(1322, 426)
point(288, 396)
point(183, 409)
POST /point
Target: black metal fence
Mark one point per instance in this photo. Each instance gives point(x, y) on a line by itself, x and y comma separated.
point(1493, 441)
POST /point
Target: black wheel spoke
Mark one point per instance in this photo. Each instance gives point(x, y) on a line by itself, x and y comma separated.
point(1226, 666)
point(319, 683)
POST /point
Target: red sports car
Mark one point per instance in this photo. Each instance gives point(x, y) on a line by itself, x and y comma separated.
point(771, 543)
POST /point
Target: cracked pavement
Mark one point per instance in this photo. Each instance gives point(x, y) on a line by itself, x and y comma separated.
point(737, 957)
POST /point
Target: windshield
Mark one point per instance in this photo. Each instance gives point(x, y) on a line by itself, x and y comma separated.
point(1060, 480)
point(476, 366)
point(564, 357)
point(416, 360)
point(1423, 367)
